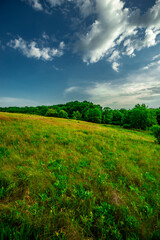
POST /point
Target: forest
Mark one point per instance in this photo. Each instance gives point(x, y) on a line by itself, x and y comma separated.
point(139, 117)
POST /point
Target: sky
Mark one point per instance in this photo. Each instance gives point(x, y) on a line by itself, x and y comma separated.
point(103, 51)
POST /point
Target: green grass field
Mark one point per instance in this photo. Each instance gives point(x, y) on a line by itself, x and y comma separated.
point(67, 179)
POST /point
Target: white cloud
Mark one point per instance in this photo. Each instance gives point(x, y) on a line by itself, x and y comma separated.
point(115, 56)
point(152, 64)
point(136, 88)
point(156, 56)
point(115, 66)
point(62, 45)
point(140, 87)
point(35, 4)
point(100, 39)
point(119, 29)
point(31, 49)
point(115, 30)
point(71, 89)
point(86, 7)
point(155, 62)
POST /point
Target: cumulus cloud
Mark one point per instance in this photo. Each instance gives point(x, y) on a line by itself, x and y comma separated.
point(111, 23)
point(115, 66)
point(115, 56)
point(115, 30)
point(117, 27)
point(86, 7)
point(32, 50)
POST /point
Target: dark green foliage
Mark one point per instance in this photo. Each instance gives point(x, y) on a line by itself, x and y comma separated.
point(127, 126)
point(52, 113)
point(158, 115)
point(107, 115)
point(139, 118)
point(42, 110)
point(63, 114)
point(77, 115)
point(117, 117)
point(152, 118)
point(156, 132)
point(93, 115)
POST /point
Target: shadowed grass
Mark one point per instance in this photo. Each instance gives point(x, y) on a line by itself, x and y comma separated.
point(67, 179)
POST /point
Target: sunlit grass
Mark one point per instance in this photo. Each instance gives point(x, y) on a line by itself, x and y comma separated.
point(68, 179)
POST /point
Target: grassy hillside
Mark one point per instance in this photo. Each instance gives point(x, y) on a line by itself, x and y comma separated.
point(67, 179)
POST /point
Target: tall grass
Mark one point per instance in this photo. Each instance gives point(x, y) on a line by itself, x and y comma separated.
point(67, 179)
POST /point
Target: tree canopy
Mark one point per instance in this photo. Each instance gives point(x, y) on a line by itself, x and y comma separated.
point(139, 117)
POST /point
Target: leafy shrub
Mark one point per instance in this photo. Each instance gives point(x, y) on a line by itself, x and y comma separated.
point(156, 132)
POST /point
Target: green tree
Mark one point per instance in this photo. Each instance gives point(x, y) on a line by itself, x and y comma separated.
point(140, 117)
point(107, 115)
point(42, 110)
point(93, 115)
point(63, 114)
point(117, 117)
point(77, 115)
point(52, 113)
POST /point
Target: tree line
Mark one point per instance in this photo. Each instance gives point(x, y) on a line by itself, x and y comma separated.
point(139, 117)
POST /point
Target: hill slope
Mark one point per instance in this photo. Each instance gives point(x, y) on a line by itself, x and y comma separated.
point(67, 179)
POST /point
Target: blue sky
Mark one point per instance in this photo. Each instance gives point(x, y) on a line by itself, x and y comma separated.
point(104, 51)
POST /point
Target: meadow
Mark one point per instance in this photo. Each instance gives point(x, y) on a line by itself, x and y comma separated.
point(70, 179)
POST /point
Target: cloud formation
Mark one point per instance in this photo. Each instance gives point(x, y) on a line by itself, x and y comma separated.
point(119, 29)
point(85, 6)
point(115, 66)
point(140, 87)
point(32, 50)
point(35, 4)
point(54, 3)
point(115, 31)
point(155, 62)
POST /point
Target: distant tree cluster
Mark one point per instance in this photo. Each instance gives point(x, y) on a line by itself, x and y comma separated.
point(140, 117)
